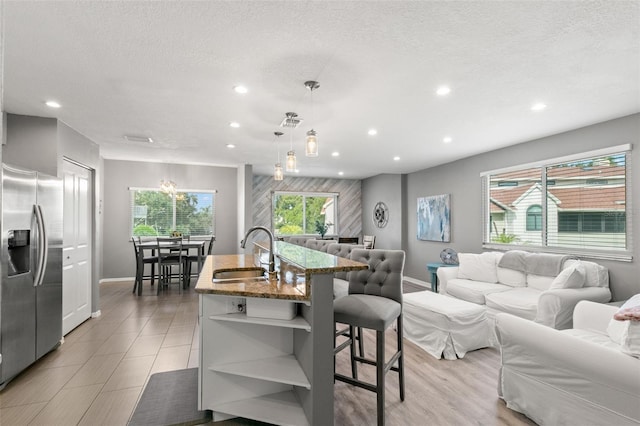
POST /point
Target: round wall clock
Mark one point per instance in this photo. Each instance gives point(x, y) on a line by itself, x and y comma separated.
point(380, 215)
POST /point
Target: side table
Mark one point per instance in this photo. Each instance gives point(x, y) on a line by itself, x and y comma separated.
point(433, 269)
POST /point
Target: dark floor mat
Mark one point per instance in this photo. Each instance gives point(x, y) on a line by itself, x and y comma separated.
point(170, 398)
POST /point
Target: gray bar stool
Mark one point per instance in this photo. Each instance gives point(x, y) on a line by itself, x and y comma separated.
point(374, 302)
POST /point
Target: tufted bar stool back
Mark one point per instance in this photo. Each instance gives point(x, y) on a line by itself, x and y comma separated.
point(342, 250)
point(320, 245)
point(374, 302)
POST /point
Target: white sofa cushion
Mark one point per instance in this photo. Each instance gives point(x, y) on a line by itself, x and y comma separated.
point(595, 275)
point(522, 302)
point(511, 277)
point(539, 282)
point(593, 337)
point(570, 277)
point(478, 267)
point(473, 291)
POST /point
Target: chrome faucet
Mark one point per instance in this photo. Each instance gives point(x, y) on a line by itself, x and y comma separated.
point(272, 260)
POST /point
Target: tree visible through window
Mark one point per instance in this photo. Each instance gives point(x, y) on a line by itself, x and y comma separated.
point(577, 203)
point(155, 213)
point(304, 213)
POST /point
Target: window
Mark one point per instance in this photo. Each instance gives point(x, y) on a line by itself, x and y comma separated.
point(156, 213)
point(304, 213)
point(578, 204)
point(534, 218)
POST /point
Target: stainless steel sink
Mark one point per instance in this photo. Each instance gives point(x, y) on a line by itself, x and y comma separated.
point(239, 276)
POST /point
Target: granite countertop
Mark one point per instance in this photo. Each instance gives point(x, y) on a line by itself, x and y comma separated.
point(296, 264)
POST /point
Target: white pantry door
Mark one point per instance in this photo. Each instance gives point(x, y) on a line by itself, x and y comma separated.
point(76, 252)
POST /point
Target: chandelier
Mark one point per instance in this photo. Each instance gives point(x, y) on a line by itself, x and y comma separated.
point(168, 187)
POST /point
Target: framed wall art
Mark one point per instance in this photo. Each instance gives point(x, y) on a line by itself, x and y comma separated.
point(434, 218)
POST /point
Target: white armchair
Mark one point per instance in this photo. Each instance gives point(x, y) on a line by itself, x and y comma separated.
point(568, 377)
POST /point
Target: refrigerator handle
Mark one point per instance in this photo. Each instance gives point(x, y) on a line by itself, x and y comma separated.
point(43, 243)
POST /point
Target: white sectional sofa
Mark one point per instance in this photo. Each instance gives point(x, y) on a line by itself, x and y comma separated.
point(541, 287)
point(579, 376)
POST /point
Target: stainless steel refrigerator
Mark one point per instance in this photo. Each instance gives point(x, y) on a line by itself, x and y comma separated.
point(30, 267)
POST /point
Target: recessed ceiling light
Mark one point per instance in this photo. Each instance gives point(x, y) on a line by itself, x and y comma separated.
point(396, 158)
point(538, 107)
point(240, 89)
point(372, 132)
point(443, 91)
point(296, 171)
point(447, 139)
point(234, 124)
point(335, 154)
point(52, 104)
point(230, 146)
point(341, 173)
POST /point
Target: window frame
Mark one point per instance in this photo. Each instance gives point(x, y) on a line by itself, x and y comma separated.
point(537, 224)
point(625, 254)
point(304, 195)
point(213, 193)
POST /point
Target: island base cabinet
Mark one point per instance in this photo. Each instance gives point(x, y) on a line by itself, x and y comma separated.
point(247, 365)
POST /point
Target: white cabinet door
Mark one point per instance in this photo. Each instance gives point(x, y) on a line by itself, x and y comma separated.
point(76, 253)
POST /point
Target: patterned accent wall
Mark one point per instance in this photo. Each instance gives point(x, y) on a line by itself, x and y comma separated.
point(349, 199)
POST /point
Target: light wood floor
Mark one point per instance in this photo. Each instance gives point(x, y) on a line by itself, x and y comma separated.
point(98, 374)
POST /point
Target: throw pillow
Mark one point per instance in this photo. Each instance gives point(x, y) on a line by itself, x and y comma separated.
point(570, 277)
point(478, 267)
point(624, 327)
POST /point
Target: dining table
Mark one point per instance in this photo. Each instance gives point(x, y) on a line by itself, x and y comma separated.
point(187, 246)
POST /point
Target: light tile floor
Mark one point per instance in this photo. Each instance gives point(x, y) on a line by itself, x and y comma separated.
point(97, 375)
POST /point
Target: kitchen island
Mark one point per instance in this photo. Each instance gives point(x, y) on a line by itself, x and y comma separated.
point(266, 346)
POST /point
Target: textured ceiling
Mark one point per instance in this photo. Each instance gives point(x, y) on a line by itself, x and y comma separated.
point(166, 70)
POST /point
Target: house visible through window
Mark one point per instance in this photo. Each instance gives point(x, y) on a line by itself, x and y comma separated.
point(577, 204)
point(305, 213)
point(156, 213)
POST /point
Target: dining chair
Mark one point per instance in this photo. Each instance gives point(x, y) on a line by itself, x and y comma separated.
point(369, 241)
point(141, 261)
point(170, 255)
point(198, 259)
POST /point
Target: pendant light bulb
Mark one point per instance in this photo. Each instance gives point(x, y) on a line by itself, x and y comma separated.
point(291, 161)
point(278, 174)
point(311, 146)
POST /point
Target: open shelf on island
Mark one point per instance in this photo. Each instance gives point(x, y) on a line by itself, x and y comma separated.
point(298, 322)
point(282, 369)
point(280, 408)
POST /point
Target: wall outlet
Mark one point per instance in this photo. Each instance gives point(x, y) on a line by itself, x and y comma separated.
point(236, 304)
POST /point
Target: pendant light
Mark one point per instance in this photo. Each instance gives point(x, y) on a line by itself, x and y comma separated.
point(278, 174)
point(290, 165)
point(311, 144)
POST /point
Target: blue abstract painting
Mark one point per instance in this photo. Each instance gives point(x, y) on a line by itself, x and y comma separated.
point(434, 221)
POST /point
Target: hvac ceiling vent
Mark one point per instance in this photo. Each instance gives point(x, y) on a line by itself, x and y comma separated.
point(142, 139)
point(291, 120)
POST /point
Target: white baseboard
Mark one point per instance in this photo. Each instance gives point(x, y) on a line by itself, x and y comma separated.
point(112, 280)
point(96, 314)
